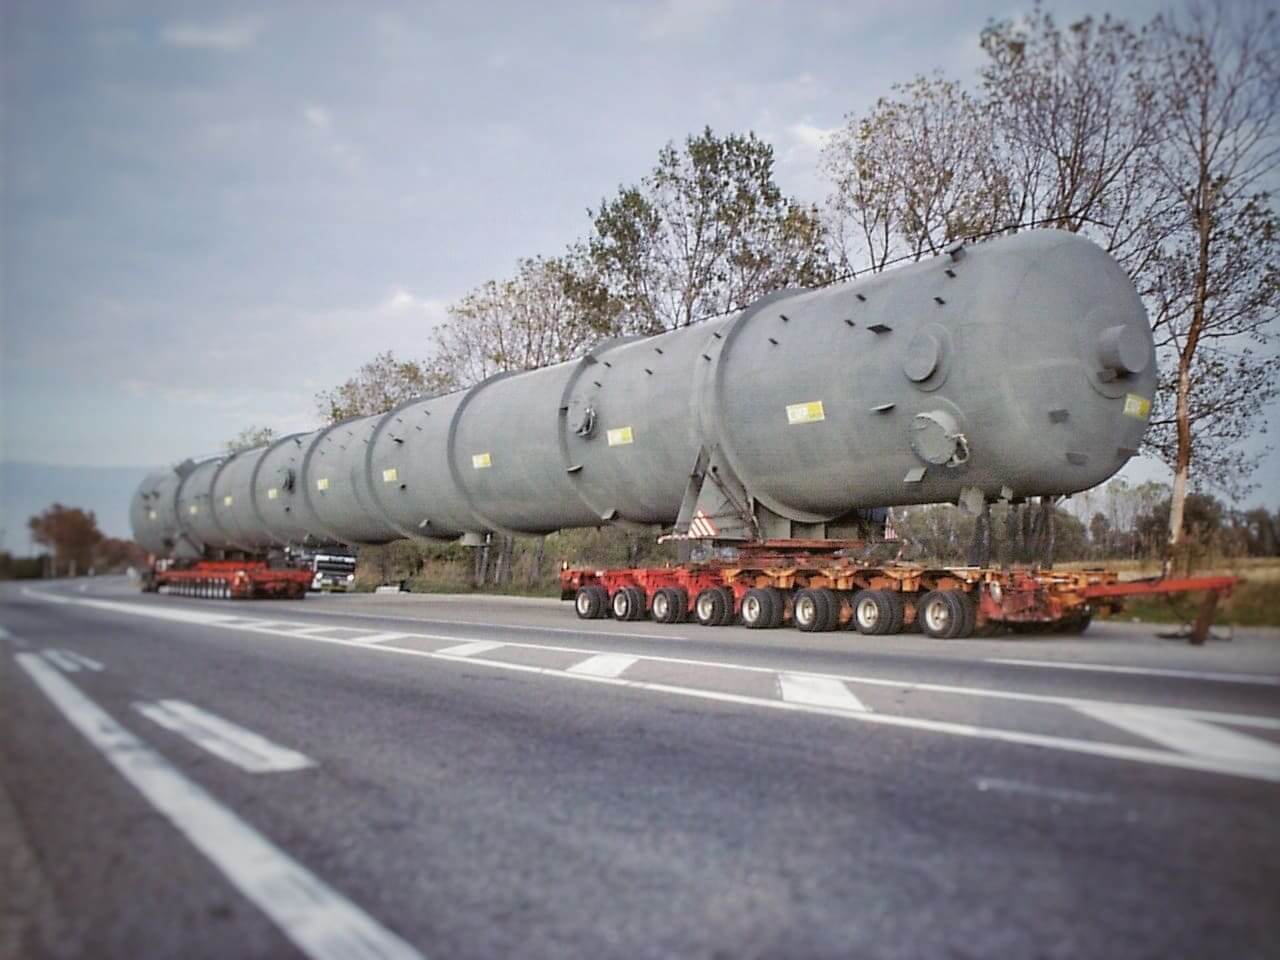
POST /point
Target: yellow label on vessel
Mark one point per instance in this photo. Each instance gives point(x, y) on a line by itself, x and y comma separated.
point(151, 514)
point(1136, 406)
point(620, 435)
point(193, 509)
point(481, 461)
point(810, 412)
point(322, 483)
point(390, 475)
point(226, 501)
point(273, 493)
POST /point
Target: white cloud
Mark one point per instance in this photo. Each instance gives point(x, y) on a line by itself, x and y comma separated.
point(805, 137)
point(685, 17)
point(318, 117)
point(226, 37)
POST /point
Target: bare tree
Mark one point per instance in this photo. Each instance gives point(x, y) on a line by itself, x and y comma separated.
point(706, 232)
point(1219, 67)
point(914, 174)
point(250, 437)
point(531, 320)
point(1078, 120)
point(380, 384)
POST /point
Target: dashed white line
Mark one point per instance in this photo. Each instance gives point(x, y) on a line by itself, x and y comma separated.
point(470, 649)
point(321, 922)
point(1263, 679)
point(379, 637)
point(249, 751)
point(63, 662)
point(87, 662)
point(605, 665)
point(818, 691)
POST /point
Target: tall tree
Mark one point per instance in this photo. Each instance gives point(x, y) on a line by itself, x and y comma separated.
point(380, 384)
point(1219, 68)
point(71, 533)
point(706, 232)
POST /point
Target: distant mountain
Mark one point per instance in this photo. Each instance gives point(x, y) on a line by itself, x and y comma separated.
point(28, 488)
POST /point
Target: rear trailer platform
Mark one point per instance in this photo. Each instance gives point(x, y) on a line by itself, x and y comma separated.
point(818, 589)
point(230, 580)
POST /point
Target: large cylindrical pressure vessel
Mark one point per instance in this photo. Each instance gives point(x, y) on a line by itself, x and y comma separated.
point(1020, 367)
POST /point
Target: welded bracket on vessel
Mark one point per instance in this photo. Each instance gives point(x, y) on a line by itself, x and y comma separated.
point(914, 475)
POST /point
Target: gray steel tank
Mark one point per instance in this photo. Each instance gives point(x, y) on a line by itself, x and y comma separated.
point(1019, 367)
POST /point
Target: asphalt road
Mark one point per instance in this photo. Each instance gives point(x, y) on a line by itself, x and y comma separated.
point(474, 778)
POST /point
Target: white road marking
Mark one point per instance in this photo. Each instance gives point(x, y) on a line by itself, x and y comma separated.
point(320, 921)
point(985, 784)
point(605, 665)
point(1116, 751)
point(818, 691)
point(208, 619)
point(62, 661)
point(1177, 731)
point(470, 649)
point(1263, 679)
point(379, 637)
point(247, 750)
point(87, 662)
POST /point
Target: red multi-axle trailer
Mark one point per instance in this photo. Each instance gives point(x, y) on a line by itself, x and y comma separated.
point(816, 586)
point(228, 579)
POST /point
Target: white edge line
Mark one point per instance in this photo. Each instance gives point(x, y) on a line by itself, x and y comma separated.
point(1219, 676)
point(317, 919)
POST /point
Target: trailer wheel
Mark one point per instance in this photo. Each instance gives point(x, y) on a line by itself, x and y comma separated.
point(779, 606)
point(877, 612)
point(588, 603)
point(970, 615)
point(815, 610)
point(711, 609)
point(942, 614)
point(759, 607)
point(667, 606)
point(628, 603)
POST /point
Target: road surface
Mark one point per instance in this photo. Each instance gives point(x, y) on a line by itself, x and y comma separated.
point(405, 776)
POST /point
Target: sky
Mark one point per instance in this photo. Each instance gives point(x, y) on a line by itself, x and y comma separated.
point(211, 211)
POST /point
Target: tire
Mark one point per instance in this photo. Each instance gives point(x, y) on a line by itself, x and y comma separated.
point(758, 608)
point(729, 613)
point(709, 607)
point(875, 613)
point(779, 607)
point(970, 617)
point(942, 614)
point(816, 610)
point(627, 603)
point(640, 604)
point(588, 604)
point(665, 605)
